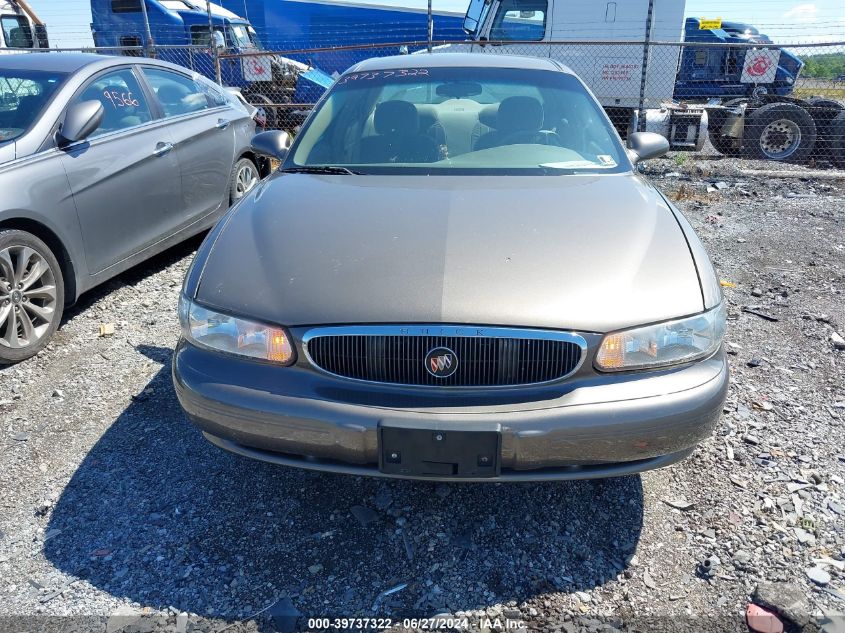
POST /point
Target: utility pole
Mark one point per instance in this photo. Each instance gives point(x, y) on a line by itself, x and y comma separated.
point(149, 34)
point(214, 52)
point(430, 26)
point(644, 78)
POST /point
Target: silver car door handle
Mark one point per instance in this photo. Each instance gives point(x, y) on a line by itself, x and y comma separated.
point(162, 149)
point(222, 124)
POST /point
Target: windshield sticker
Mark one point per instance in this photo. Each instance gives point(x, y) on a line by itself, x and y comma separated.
point(385, 74)
point(578, 164)
point(606, 160)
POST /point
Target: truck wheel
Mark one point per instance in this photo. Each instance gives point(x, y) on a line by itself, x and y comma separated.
point(779, 131)
point(244, 177)
point(725, 145)
point(32, 295)
point(269, 114)
point(823, 112)
point(837, 150)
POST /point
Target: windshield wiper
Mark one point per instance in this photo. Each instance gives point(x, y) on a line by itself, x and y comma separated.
point(322, 169)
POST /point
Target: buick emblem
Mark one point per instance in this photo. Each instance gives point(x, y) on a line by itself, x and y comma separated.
point(441, 362)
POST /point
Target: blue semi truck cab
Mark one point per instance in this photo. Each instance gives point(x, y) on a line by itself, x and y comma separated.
point(708, 72)
point(180, 33)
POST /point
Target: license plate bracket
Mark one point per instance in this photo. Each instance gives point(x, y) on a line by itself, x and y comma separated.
point(435, 450)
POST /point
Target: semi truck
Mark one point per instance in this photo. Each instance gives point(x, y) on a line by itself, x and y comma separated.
point(727, 81)
point(186, 32)
point(20, 28)
point(287, 25)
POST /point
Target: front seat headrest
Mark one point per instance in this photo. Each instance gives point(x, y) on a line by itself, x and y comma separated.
point(517, 114)
point(392, 117)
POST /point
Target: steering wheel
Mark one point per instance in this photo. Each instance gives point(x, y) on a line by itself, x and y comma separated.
point(538, 137)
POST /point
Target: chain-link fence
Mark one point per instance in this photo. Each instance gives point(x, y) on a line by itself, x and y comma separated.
point(758, 101)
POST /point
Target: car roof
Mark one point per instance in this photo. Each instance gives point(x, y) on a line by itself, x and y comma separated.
point(50, 62)
point(458, 60)
point(60, 62)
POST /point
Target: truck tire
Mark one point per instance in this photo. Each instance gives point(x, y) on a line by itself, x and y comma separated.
point(32, 295)
point(779, 131)
point(725, 145)
point(837, 150)
point(269, 114)
point(823, 112)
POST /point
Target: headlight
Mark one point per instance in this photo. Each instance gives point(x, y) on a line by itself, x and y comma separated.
point(667, 343)
point(222, 332)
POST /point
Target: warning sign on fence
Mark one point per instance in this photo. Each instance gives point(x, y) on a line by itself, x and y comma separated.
point(760, 66)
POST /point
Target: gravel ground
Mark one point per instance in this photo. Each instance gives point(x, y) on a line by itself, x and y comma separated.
point(113, 507)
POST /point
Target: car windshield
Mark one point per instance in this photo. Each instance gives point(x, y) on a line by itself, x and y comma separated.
point(459, 120)
point(23, 95)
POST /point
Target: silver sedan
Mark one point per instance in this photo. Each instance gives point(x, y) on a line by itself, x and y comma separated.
point(104, 162)
point(456, 274)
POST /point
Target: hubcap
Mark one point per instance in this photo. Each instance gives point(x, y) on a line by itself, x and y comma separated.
point(27, 296)
point(244, 181)
point(780, 139)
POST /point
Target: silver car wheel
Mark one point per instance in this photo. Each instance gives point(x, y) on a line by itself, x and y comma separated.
point(245, 179)
point(27, 296)
point(780, 139)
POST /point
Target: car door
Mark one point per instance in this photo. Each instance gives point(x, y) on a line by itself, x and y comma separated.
point(124, 177)
point(202, 126)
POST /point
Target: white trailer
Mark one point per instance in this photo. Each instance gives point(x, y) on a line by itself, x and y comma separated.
point(20, 28)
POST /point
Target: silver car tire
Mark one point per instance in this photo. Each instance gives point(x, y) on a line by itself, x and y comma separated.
point(32, 295)
point(245, 176)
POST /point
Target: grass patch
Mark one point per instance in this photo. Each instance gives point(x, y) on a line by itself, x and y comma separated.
point(830, 93)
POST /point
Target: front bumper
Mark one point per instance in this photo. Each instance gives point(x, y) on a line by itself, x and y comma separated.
point(586, 427)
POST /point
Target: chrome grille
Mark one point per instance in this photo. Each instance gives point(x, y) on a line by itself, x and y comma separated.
point(498, 357)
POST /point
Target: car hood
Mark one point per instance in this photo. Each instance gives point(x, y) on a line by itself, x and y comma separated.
point(583, 252)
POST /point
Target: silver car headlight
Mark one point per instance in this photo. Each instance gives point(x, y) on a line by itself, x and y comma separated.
point(662, 344)
point(233, 335)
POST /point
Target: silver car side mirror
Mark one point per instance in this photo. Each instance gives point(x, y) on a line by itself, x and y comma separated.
point(274, 144)
point(646, 145)
point(81, 119)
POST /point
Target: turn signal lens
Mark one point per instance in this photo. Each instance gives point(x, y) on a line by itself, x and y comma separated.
point(279, 347)
point(611, 354)
point(222, 332)
point(663, 344)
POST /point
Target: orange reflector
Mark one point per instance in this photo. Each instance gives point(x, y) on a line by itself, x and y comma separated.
point(612, 352)
point(278, 346)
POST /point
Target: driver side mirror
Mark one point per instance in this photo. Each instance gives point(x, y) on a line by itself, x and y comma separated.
point(646, 145)
point(81, 119)
point(274, 144)
point(217, 40)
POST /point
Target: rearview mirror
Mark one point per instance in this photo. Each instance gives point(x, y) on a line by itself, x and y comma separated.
point(274, 143)
point(645, 145)
point(81, 119)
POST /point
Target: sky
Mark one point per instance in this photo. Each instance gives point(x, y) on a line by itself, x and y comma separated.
point(785, 21)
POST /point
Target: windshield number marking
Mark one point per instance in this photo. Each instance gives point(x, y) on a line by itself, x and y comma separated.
point(385, 74)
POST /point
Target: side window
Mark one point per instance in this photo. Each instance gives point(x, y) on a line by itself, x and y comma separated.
point(199, 35)
point(176, 93)
point(520, 20)
point(16, 32)
point(123, 101)
point(126, 6)
point(128, 41)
